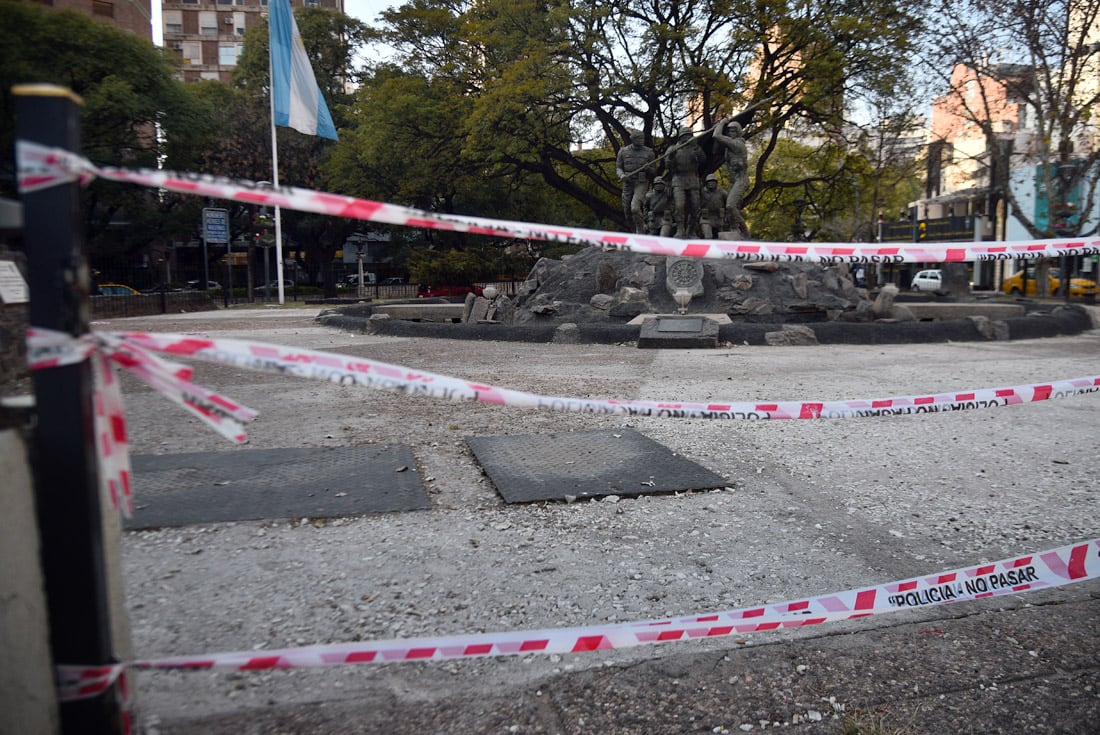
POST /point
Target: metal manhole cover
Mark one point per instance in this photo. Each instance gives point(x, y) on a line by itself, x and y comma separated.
point(261, 484)
point(585, 464)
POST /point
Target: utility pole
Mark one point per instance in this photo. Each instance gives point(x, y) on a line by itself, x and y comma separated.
point(66, 471)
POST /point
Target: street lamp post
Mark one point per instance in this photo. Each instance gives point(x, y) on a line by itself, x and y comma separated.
point(359, 242)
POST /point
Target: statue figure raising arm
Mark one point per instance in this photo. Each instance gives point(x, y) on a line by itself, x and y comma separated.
point(737, 167)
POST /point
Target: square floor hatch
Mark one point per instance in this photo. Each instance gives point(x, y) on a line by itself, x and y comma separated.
point(261, 484)
point(585, 464)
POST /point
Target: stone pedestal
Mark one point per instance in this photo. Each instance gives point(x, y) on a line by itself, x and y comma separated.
point(678, 331)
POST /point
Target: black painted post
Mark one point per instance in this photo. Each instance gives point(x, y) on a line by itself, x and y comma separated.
point(65, 464)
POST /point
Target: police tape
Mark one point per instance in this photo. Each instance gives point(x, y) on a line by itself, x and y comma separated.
point(134, 352)
point(48, 348)
point(41, 167)
point(1053, 568)
point(82, 682)
point(347, 370)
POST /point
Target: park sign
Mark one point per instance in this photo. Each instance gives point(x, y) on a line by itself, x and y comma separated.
point(215, 225)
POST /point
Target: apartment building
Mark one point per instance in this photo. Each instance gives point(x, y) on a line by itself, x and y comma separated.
point(208, 35)
point(128, 15)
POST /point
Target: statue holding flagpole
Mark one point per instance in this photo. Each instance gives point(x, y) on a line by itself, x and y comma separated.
point(296, 100)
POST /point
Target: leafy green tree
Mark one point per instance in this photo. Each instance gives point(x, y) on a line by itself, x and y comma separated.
point(1043, 54)
point(132, 105)
point(553, 87)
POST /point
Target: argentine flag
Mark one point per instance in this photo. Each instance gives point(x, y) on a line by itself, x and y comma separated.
point(297, 101)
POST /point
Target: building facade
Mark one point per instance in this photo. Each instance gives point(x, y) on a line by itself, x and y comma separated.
point(128, 15)
point(207, 36)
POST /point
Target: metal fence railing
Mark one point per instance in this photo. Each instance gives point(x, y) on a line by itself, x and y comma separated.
point(146, 304)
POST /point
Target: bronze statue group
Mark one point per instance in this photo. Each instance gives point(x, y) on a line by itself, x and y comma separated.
point(685, 201)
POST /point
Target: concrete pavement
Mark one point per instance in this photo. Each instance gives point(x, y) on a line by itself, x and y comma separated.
point(815, 506)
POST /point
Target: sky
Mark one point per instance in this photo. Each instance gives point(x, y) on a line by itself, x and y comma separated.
point(368, 10)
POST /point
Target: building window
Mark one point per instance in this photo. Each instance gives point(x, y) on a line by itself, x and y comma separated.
point(228, 53)
point(103, 8)
point(190, 2)
point(192, 52)
point(312, 3)
point(173, 21)
point(208, 23)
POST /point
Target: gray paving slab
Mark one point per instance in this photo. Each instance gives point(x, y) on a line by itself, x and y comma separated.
point(259, 484)
point(583, 464)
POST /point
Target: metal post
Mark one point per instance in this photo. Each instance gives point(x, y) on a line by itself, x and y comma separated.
point(229, 273)
point(65, 463)
point(205, 266)
point(267, 273)
point(359, 259)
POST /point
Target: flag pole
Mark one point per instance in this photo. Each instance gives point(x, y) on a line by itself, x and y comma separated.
point(275, 183)
point(296, 100)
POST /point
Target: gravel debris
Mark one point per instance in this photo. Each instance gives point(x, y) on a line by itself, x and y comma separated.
point(811, 507)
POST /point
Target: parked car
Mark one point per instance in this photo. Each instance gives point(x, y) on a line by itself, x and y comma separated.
point(393, 281)
point(930, 280)
point(114, 289)
point(351, 280)
point(287, 283)
point(425, 292)
point(197, 285)
point(1078, 287)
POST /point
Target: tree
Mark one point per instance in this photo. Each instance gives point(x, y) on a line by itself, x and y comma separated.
point(132, 105)
point(409, 145)
point(554, 86)
point(1026, 80)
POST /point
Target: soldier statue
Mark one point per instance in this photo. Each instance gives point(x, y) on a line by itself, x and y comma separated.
point(685, 161)
point(658, 209)
point(737, 167)
point(712, 216)
point(634, 165)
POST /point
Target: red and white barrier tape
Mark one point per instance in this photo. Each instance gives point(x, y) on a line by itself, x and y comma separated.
point(385, 376)
point(40, 167)
point(81, 682)
point(1053, 568)
point(133, 351)
point(47, 348)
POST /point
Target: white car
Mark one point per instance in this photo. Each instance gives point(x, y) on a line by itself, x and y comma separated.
point(927, 281)
point(210, 285)
point(352, 280)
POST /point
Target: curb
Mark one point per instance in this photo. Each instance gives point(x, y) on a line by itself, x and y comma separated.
point(1062, 320)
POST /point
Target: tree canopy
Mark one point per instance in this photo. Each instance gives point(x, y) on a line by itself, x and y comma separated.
point(1045, 56)
point(551, 88)
point(134, 112)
